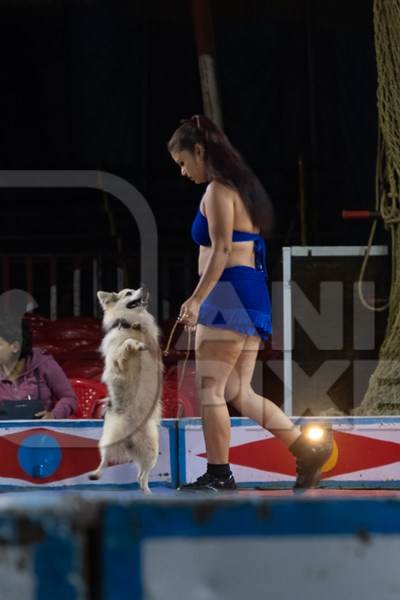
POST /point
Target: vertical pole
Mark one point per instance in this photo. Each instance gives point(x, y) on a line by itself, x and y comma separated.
point(165, 288)
point(120, 279)
point(5, 273)
point(6, 283)
point(302, 203)
point(287, 332)
point(53, 288)
point(312, 118)
point(145, 96)
point(29, 275)
point(205, 44)
point(95, 285)
point(77, 288)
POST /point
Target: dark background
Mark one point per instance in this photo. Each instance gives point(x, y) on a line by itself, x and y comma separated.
point(102, 85)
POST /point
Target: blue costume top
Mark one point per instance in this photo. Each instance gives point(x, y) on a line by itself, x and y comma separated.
point(201, 236)
point(240, 300)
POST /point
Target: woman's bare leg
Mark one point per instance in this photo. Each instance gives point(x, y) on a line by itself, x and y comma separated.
point(309, 457)
point(241, 395)
point(217, 351)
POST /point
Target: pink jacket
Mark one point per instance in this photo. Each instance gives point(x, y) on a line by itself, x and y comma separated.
point(55, 389)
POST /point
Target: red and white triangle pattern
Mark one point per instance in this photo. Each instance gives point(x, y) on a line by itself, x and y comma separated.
point(361, 453)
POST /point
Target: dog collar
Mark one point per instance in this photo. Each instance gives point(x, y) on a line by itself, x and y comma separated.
point(124, 324)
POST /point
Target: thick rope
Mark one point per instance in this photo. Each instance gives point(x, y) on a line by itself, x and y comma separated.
point(364, 264)
point(383, 393)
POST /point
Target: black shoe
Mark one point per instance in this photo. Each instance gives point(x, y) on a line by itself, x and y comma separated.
point(209, 483)
point(310, 458)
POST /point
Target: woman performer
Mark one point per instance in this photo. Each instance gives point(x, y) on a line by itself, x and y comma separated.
point(230, 306)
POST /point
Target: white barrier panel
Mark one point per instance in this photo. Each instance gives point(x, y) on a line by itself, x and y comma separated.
point(366, 453)
point(236, 548)
point(63, 453)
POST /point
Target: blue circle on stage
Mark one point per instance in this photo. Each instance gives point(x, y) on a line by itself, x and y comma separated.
point(39, 455)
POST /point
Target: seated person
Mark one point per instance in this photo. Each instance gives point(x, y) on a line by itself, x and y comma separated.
point(28, 373)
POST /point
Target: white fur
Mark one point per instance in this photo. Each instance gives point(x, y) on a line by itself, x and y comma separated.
point(133, 374)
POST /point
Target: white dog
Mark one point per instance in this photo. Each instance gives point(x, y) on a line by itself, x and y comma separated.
point(133, 374)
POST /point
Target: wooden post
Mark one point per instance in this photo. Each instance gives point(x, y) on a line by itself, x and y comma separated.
point(204, 35)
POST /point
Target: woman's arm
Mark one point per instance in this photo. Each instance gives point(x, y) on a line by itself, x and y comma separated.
point(61, 390)
point(219, 208)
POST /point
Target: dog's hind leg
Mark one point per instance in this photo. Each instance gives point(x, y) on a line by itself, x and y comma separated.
point(146, 462)
point(143, 479)
point(103, 463)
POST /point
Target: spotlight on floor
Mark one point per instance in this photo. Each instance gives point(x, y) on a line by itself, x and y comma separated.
point(315, 432)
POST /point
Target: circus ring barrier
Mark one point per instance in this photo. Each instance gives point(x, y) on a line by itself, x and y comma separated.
point(61, 454)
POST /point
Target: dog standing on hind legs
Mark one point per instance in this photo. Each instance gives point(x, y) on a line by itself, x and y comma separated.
point(133, 374)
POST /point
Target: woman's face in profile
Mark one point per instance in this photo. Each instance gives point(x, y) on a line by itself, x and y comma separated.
point(191, 163)
point(7, 351)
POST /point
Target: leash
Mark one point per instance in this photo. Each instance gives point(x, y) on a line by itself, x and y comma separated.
point(181, 406)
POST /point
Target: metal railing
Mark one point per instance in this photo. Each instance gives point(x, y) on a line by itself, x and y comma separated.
point(66, 284)
point(42, 275)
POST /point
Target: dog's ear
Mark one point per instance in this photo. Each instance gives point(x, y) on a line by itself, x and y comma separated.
point(145, 298)
point(105, 298)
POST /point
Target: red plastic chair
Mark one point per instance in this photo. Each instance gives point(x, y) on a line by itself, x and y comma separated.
point(91, 396)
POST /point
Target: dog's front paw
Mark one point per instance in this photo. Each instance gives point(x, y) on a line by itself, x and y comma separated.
point(119, 363)
point(134, 346)
point(127, 347)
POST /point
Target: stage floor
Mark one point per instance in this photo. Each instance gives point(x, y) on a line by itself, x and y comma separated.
point(38, 496)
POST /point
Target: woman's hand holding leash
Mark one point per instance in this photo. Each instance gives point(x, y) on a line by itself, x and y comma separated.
point(189, 313)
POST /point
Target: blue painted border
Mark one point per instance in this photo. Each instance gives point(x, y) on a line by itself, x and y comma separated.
point(182, 453)
point(235, 421)
point(121, 557)
point(56, 424)
point(350, 421)
point(72, 423)
point(62, 548)
point(171, 425)
point(230, 515)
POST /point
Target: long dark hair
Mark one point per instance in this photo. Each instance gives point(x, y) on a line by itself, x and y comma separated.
point(17, 330)
point(224, 164)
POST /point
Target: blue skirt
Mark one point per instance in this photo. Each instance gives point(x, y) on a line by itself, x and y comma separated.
point(239, 301)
